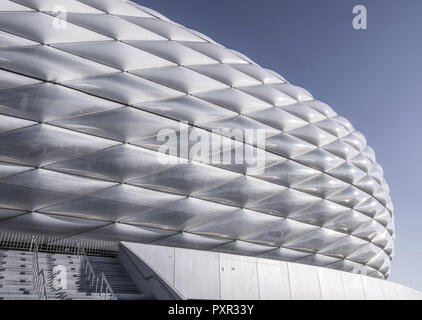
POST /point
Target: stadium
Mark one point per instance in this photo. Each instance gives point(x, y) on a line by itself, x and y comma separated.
point(141, 155)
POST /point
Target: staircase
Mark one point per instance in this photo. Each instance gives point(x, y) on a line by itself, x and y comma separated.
point(16, 279)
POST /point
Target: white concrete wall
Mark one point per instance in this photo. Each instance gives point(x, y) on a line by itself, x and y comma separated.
point(212, 275)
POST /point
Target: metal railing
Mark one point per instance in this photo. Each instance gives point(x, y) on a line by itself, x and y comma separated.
point(40, 285)
point(92, 278)
point(48, 243)
point(18, 241)
point(82, 248)
point(107, 288)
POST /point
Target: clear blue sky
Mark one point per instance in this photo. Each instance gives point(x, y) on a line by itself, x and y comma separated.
point(372, 77)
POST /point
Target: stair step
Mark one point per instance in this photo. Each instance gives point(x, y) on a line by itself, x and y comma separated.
point(16, 278)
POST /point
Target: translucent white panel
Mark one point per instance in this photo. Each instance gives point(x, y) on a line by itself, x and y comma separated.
point(180, 215)
point(382, 196)
point(37, 26)
point(246, 126)
point(317, 260)
point(369, 230)
point(187, 178)
point(173, 51)
point(343, 247)
point(320, 213)
point(284, 254)
point(153, 13)
point(295, 92)
point(32, 189)
point(137, 124)
point(253, 163)
point(348, 266)
point(304, 112)
point(116, 7)
point(321, 186)
point(347, 172)
point(389, 205)
point(124, 232)
point(241, 192)
point(8, 40)
point(384, 265)
point(389, 247)
point(243, 248)
point(49, 64)
point(201, 146)
point(355, 141)
point(341, 149)
point(120, 163)
point(332, 127)
point(313, 135)
point(235, 225)
point(43, 144)
point(377, 173)
point(269, 95)
point(359, 136)
point(6, 214)
point(349, 197)
point(181, 78)
point(9, 169)
point(215, 52)
point(258, 73)
point(383, 217)
point(193, 241)
point(275, 74)
point(319, 159)
point(37, 223)
point(115, 54)
point(7, 5)
point(52, 5)
point(288, 146)
point(198, 34)
point(315, 240)
point(45, 102)
point(362, 162)
point(10, 80)
point(382, 239)
point(280, 232)
point(348, 222)
point(253, 63)
point(234, 100)
point(344, 122)
point(187, 108)
point(287, 173)
point(226, 74)
point(370, 154)
point(364, 254)
point(278, 118)
point(113, 204)
point(285, 203)
point(374, 274)
point(165, 29)
point(11, 123)
point(370, 207)
point(112, 26)
point(321, 107)
point(125, 88)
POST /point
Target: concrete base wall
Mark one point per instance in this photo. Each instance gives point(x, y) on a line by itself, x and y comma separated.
point(211, 275)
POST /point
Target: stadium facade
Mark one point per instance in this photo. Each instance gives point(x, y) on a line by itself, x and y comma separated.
point(118, 124)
